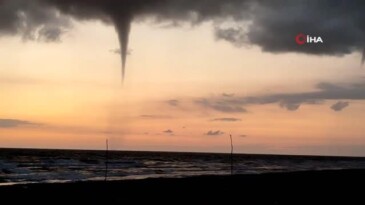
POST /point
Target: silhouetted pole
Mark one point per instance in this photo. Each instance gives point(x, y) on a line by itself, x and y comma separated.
point(106, 160)
point(230, 136)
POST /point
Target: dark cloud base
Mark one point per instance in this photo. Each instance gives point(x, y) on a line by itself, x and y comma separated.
point(271, 25)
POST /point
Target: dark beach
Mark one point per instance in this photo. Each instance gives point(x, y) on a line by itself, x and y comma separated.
point(308, 187)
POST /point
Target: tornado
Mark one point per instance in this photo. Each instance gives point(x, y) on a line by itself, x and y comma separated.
point(48, 19)
point(122, 24)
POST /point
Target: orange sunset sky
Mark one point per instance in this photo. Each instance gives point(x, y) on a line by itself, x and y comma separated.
point(184, 90)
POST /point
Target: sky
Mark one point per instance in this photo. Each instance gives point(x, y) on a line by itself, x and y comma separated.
point(193, 75)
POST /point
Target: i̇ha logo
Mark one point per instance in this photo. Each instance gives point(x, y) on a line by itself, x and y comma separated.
point(302, 39)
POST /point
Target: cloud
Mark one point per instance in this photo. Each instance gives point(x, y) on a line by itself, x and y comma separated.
point(11, 123)
point(270, 25)
point(174, 103)
point(214, 133)
point(227, 119)
point(363, 57)
point(290, 101)
point(155, 116)
point(32, 20)
point(325, 91)
point(168, 131)
point(290, 106)
point(220, 106)
point(274, 24)
point(340, 105)
point(237, 35)
point(228, 95)
point(120, 14)
point(242, 135)
point(50, 34)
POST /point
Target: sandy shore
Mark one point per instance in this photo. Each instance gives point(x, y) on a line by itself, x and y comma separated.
point(327, 187)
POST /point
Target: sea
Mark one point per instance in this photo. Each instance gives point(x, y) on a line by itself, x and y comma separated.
point(23, 166)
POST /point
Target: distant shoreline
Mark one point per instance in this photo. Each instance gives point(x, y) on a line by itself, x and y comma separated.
point(331, 186)
point(181, 152)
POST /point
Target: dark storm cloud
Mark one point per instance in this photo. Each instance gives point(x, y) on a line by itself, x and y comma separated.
point(11, 123)
point(237, 36)
point(33, 20)
point(339, 23)
point(340, 105)
point(227, 119)
point(51, 34)
point(214, 133)
point(121, 13)
point(292, 101)
point(271, 25)
point(274, 24)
